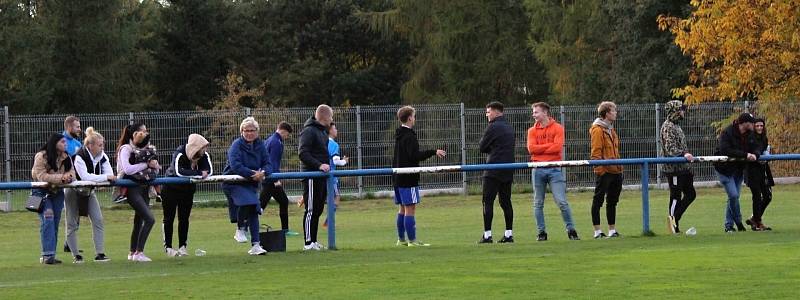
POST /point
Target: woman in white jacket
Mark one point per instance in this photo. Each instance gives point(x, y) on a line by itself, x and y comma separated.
point(91, 164)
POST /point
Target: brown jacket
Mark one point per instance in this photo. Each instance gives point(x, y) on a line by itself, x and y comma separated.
point(41, 171)
point(605, 145)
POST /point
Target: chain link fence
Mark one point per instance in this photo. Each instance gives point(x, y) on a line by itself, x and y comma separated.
point(366, 136)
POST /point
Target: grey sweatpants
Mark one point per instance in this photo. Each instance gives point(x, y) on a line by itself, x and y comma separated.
point(71, 199)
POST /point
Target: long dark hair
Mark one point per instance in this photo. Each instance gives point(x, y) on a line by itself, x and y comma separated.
point(51, 152)
point(127, 134)
point(763, 136)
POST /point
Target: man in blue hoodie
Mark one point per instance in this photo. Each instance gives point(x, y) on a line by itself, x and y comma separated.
point(272, 188)
point(72, 133)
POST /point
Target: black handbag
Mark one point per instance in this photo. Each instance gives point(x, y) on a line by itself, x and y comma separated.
point(35, 202)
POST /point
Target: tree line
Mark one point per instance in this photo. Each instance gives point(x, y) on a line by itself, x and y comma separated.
point(61, 56)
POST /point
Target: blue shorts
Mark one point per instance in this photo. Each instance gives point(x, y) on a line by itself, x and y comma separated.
point(406, 195)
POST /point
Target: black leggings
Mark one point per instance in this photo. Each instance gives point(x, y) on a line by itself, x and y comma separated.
point(682, 183)
point(762, 196)
point(143, 219)
point(491, 188)
point(268, 191)
point(180, 199)
point(607, 187)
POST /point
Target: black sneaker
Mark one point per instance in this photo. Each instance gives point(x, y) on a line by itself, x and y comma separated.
point(573, 235)
point(730, 229)
point(541, 237)
point(485, 240)
point(67, 250)
point(614, 235)
point(120, 199)
point(753, 225)
point(158, 198)
point(78, 259)
point(506, 239)
point(101, 257)
point(599, 236)
point(740, 226)
point(49, 260)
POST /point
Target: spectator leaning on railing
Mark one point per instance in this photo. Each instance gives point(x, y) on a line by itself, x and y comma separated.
point(189, 160)
point(91, 164)
point(52, 165)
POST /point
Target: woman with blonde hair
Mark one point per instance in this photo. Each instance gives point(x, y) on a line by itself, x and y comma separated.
point(247, 157)
point(91, 164)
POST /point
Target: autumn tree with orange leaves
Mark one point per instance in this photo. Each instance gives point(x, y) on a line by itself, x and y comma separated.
point(745, 49)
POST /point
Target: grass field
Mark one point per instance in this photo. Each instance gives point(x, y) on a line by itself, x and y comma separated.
point(711, 264)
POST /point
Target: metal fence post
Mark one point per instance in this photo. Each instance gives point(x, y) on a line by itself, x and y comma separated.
point(248, 112)
point(358, 148)
point(645, 199)
point(746, 106)
point(463, 150)
point(7, 145)
point(658, 146)
point(563, 118)
point(130, 118)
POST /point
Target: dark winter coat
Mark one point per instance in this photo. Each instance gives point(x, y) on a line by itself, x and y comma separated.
point(498, 143)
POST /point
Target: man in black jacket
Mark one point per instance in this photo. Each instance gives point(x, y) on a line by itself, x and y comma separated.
point(498, 143)
point(313, 152)
point(736, 141)
point(406, 186)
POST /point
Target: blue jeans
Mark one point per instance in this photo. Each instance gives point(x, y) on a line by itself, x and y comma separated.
point(558, 186)
point(49, 219)
point(732, 185)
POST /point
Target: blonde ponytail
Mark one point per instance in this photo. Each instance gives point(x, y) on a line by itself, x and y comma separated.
point(91, 136)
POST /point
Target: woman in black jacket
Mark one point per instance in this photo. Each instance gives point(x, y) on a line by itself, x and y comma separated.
point(759, 178)
point(190, 160)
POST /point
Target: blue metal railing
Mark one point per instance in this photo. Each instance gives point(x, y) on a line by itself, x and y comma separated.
point(644, 162)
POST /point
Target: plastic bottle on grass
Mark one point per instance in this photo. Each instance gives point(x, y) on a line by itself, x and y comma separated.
point(691, 231)
point(199, 252)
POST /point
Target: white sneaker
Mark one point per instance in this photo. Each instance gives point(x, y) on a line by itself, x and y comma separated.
point(320, 246)
point(314, 246)
point(130, 256)
point(140, 257)
point(240, 236)
point(257, 250)
point(171, 252)
point(182, 251)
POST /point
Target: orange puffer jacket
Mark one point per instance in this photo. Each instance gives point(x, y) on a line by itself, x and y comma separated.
point(605, 145)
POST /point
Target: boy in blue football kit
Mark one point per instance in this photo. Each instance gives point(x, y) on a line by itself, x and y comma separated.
point(337, 159)
point(406, 186)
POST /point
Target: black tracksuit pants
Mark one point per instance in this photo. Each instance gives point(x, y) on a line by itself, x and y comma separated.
point(491, 188)
point(268, 191)
point(315, 193)
point(681, 193)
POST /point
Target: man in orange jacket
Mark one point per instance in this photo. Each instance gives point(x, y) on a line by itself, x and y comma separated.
point(545, 143)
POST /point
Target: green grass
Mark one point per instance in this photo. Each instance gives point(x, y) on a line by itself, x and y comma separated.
point(368, 265)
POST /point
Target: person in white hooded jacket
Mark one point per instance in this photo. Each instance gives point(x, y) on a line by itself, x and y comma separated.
point(191, 160)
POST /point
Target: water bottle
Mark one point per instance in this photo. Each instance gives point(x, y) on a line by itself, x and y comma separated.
point(199, 252)
point(691, 231)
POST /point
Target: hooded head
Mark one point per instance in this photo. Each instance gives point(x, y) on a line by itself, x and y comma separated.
point(195, 144)
point(673, 109)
